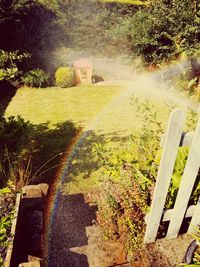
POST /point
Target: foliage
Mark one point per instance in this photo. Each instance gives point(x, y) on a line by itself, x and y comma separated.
point(191, 120)
point(7, 200)
point(64, 77)
point(9, 61)
point(15, 134)
point(121, 209)
point(29, 151)
point(38, 22)
point(35, 78)
point(164, 31)
point(128, 177)
point(190, 87)
point(51, 25)
point(176, 177)
point(157, 30)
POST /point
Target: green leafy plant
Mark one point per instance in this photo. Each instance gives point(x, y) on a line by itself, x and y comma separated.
point(128, 177)
point(21, 172)
point(191, 120)
point(64, 77)
point(7, 200)
point(158, 34)
point(9, 61)
point(35, 78)
point(177, 175)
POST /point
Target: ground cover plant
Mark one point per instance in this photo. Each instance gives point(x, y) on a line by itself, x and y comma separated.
point(7, 201)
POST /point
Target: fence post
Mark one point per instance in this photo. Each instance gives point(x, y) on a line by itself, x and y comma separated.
point(169, 154)
point(186, 186)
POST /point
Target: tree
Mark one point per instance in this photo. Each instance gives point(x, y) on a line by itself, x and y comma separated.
point(164, 31)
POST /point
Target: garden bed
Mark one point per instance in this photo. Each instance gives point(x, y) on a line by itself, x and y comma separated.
point(27, 226)
point(13, 231)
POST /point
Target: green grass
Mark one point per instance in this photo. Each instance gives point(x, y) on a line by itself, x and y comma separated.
point(56, 105)
point(103, 110)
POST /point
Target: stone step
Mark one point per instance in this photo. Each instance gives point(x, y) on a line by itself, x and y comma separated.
point(94, 234)
point(103, 254)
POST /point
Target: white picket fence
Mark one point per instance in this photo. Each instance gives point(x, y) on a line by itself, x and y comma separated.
point(173, 138)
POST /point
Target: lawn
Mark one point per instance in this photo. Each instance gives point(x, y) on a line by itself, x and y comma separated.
point(103, 112)
point(56, 105)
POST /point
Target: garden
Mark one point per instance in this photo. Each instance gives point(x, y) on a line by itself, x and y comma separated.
point(100, 140)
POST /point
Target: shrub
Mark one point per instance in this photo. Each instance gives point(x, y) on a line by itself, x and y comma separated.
point(128, 175)
point(64, 77)
point(35, 78)
point(15, 134)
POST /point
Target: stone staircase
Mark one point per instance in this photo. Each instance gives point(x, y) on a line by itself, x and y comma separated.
point(76, 241)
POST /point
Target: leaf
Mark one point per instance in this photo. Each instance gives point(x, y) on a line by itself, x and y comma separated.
point(176, 179)
point(5, 190)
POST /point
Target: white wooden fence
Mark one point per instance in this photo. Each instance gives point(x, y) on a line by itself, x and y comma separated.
point(173, 138)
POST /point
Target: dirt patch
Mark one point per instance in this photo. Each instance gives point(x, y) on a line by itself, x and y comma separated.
point(163, 253)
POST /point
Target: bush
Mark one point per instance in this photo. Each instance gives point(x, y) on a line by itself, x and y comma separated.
point(15, 134)
point(128, 177)
point(64, 77)
point(35, 78)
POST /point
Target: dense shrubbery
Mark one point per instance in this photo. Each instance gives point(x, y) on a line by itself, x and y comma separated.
point(163, 31)
point(129, 175)
point(128, 179)
point(35, 78)
point(10, 70)
point(65, 77)
point(160, 31)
